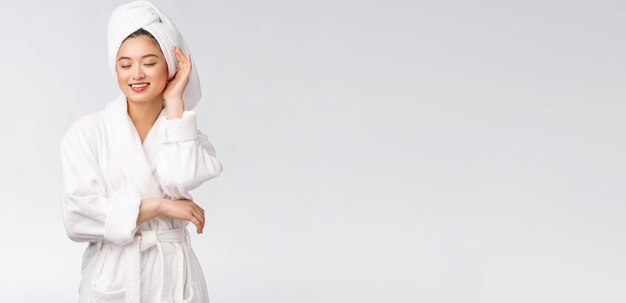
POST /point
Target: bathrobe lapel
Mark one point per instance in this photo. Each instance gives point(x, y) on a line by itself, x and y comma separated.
point(127, 147)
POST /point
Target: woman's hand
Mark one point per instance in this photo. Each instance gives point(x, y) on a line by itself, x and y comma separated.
point(173, 93)
point(185, 210)
point(149, 208)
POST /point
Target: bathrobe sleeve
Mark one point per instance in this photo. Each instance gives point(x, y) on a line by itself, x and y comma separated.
point(90, 213)
point(187, 158)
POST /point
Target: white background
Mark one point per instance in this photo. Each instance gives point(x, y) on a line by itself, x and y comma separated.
point(373, 151)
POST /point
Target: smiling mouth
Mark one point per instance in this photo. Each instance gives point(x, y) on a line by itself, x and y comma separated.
point(139, 87)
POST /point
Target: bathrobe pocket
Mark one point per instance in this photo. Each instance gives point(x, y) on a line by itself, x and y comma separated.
point(109, 296)
point(190, 295)
point(108, 284)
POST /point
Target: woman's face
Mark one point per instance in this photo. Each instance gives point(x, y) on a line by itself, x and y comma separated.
point(141, 70)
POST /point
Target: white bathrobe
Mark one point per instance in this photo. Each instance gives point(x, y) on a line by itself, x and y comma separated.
point(107, 171)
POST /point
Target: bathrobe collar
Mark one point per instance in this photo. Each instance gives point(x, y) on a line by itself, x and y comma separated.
point(127, 147)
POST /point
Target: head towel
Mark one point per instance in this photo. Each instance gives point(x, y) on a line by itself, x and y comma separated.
point(128, 18)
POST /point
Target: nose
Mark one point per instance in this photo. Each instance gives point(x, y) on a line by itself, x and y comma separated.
point(138, 73)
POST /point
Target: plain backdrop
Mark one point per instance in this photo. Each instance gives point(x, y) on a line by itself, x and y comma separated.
point(373, 151)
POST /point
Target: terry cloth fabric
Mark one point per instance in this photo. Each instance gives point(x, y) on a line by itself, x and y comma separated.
point(128, 18)
point(107, 171)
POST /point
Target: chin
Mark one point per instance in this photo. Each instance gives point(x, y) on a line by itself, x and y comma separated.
point(139, 98)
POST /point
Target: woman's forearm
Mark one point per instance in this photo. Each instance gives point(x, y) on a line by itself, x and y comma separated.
point(149, 209)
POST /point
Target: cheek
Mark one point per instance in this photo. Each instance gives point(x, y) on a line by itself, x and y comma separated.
point(160, 76)
point(122, 77)
point(163, 72)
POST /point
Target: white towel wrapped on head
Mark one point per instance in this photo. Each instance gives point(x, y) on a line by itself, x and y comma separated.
point(128, 18)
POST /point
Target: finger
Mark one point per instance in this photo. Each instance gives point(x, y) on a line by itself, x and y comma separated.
point(182, 58)
point(182, 63)
point(176, 50)
point(178, 54)
point(192, 217)
point(201, 213)
point(200, 224)
point(198, 214)
point(202, 219)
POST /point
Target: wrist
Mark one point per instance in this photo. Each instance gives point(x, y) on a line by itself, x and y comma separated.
point(175, 109)
point(173, 101)
point(159, 206)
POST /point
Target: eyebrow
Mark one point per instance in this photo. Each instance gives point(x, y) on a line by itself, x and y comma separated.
point(149, 55)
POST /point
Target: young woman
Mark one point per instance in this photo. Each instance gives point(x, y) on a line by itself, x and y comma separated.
point(128, 169)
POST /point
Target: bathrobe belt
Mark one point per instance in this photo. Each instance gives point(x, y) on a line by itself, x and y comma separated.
point(147, 239)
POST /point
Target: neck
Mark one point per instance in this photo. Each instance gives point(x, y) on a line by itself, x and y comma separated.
point(144, 113)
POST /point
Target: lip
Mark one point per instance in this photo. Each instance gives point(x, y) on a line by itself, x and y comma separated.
point(138, 90)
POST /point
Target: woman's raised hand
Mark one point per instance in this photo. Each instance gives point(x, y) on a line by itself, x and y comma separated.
point(185, 210)
point(174, 89)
